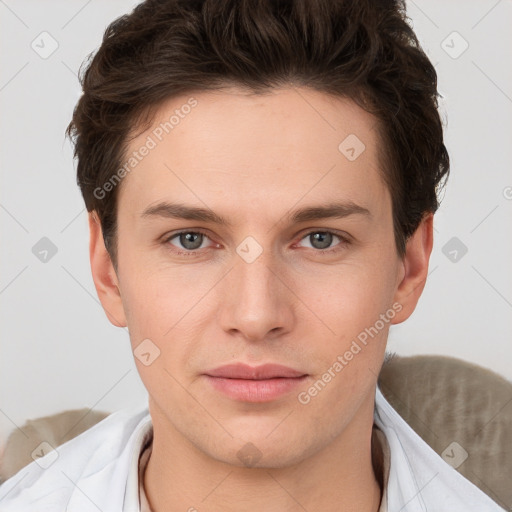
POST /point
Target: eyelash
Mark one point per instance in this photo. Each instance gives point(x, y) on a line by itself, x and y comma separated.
point(191, 253)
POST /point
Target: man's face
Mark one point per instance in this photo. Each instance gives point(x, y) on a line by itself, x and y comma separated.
point(264, 287)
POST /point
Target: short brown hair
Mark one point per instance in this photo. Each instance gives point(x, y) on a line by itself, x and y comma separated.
point(364, 50)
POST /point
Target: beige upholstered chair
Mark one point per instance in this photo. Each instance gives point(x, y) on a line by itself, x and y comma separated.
point(457, 408)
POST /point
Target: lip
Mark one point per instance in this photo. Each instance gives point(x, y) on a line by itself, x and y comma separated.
point(244, 371)
point(254, 383)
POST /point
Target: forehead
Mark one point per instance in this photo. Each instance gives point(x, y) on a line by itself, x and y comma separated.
point(236, 148)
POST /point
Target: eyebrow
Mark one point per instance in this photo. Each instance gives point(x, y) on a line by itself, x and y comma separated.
point(181, 211)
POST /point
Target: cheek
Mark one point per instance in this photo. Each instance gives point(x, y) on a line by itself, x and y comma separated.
point(170, 307)
point(355, 306)
point(351, 297)
point(155, 295)
point(358, 309)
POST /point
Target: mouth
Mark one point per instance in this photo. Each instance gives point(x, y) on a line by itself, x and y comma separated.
point(255, 383)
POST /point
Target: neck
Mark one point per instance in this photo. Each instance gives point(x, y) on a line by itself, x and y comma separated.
point(344, 475)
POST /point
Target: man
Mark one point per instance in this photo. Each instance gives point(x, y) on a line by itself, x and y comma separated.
point(261, 179)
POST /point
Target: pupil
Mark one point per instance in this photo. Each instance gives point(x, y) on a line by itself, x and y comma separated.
point(189, 240)
point(323, 238)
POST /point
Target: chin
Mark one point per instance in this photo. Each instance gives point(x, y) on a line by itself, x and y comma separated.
point(261, 454)
point(265, 449)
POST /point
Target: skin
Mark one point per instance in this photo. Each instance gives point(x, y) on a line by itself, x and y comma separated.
point(254, 159)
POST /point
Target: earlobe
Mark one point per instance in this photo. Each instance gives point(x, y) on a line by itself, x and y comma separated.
point(415, 268)
point(104, 275)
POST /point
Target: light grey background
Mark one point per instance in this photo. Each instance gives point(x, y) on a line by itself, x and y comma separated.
point(58, 349)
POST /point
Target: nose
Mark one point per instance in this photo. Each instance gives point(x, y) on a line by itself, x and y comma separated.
point(258, 302)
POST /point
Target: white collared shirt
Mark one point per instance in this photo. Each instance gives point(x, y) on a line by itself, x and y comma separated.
point(99, 470)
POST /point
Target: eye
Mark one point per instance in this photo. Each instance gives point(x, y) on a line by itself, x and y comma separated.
point(190, 241)
point(322, 240)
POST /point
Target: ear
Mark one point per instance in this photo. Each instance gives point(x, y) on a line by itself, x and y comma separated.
point(104, 274)
point(414, 269)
